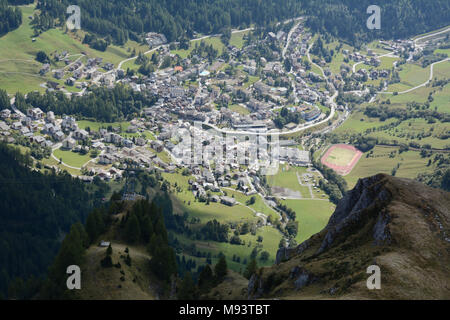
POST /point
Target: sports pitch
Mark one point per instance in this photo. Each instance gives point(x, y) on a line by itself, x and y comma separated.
point(342, 158)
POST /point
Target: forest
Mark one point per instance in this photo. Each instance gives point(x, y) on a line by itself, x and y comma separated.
point(107, 105)
point(36, 211)
point(346, 19)
point(10, 18)
point(118, 21)
point(121, 20)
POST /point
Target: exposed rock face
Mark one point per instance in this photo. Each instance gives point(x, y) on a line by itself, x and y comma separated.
point(255, 287)
point(283, 254)
point(381, 233)
point(301, 277)
point(398, 224)
point(368, 193)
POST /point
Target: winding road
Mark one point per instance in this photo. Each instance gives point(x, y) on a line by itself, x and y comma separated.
point(420, 85)
point(431, 35)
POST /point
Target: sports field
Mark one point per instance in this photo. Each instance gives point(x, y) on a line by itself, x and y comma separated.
point(341, 158)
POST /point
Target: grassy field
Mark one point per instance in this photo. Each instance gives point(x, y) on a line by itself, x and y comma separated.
point(287, 178)
point(341, 157)
point(416, 130)
point(258, 206)
point(411, 164)
point(271, 239)
point(214, 41)
point(387, 63)
point(18, 68)
point(411, 75)
point(251, 81)
point(358, 122)
point(52, 162)
point(239, 109)
point(312, 216)
point(72, 158)
point(338, 58)
point(376, 47)
point(96, 125)
point(441, 96)
point(185, 201)
point(237, 39)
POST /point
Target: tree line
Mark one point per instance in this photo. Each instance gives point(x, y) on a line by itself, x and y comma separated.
point(103, 104)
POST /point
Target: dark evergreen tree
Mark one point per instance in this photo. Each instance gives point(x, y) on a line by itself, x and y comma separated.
point(251, 269)
point(221, 270)
point(206, 279)
point(188, 290)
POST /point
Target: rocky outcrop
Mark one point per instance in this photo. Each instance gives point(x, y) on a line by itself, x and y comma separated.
point(255, 287)
point(367, 194)
point(397, 224)
point(301, 277)
point(284, 254)
point(381, 233)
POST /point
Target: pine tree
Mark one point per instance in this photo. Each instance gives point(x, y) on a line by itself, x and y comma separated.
point(128, 260)
point(91, 227)
point(221, 269)
point(188, 290)
point(132, 229)
point(206, 279)
point(109, 250)
point(252, 267)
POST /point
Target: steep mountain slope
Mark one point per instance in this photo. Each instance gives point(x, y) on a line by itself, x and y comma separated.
point(36, 211)
point(397, 224)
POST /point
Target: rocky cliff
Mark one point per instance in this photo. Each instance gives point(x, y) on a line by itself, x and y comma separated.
point(399, 225)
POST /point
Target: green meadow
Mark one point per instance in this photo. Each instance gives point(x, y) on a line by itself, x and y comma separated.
point(239, 109)
point(411, 164)
point(271, 239)
point(237, 39)
point(73, 159)
point(214, 41)
point(17, 46)
point(184, 201)
point(96, 125)
point(312, 216)
point(411, 75)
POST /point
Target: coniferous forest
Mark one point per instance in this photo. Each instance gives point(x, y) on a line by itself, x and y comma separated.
point(121, 20)
point(10, 18)
point(103, 104)
point(36, 211)
point(346, 19)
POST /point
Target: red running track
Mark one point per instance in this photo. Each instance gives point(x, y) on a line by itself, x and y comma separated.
point(342, 170)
